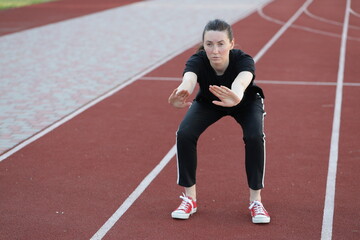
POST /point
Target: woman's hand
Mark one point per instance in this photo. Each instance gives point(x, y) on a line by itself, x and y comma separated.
point(228, 98)
point(179, 99)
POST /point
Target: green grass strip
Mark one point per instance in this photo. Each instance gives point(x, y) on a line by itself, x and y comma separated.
point(6, 4)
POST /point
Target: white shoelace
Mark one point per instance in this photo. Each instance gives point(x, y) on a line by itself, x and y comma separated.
point(258, 207)
point(185, 203)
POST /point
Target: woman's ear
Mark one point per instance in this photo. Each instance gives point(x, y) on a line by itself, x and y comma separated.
point(232, 43)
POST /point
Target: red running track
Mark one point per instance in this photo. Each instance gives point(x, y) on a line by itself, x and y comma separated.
point(18, 19)
point(67, 184)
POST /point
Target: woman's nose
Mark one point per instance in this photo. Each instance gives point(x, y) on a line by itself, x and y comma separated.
point(215, 49)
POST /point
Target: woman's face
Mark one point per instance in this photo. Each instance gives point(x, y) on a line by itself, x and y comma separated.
point(217, 46)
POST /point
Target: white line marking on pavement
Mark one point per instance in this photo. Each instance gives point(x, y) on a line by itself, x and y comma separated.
point(354, 13)
point(328, 20)
point(326, 232)
point(282, 30)
point(279, 82)
point(134, 195)
point(308, 29)
point(146, 182)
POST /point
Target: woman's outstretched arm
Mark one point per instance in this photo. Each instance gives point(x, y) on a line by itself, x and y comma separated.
point(179, 97)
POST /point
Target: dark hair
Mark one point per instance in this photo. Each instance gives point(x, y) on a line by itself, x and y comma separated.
point(217, 25)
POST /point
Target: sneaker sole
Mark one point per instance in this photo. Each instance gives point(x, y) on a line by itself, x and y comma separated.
point(177, 215)
point(261, 220)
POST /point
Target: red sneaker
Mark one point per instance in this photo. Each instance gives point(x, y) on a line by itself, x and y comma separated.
point(258, 213)
point(186, 208)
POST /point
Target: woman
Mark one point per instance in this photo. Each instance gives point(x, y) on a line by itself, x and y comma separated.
point(225, 76)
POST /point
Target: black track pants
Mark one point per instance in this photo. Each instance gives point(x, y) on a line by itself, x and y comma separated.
point(249, 114)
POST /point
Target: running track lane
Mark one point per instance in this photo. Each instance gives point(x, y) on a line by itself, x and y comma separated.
point(306, 114)
point(347, 198)
point(50, 12)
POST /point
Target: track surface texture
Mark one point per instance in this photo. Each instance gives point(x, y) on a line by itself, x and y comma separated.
point(87, 136)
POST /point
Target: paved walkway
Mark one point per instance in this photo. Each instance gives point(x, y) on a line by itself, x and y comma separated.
point(50, 71)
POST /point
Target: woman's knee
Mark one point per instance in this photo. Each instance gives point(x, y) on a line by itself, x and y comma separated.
point(185, 135)
point(254, 138)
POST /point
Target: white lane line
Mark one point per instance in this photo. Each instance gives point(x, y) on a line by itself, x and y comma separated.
point(162, 78)
point(328, 20)
point(354, 13)
point(327, 224)
point(279, 82)
point(134, 195)
point(282, 30)
point(146, 182)
point(308, 29)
